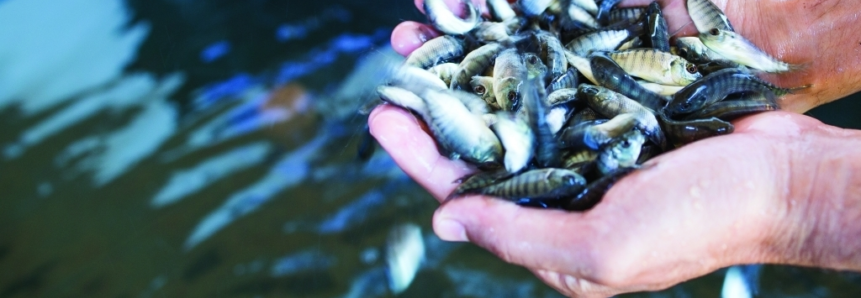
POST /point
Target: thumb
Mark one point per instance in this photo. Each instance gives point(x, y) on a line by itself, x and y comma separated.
point(539, 239)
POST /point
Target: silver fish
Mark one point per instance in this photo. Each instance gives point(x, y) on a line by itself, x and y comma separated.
point(405, 252)
point(738, 49)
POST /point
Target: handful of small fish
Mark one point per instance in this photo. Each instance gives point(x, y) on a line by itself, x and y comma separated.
point(556, 100)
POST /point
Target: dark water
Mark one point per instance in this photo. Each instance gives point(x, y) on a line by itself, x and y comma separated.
point(178, 148)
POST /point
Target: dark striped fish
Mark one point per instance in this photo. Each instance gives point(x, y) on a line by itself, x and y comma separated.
point(610, 75)
point(610, 104)
point(594, 135)
point(731, 109)
point(548, 183)
point(656, 29)
point(569, 79)
point(706, 15)
point(593, 192)
point(546, 145)
point(713, 88)
point(684, 132)
point(626, 15)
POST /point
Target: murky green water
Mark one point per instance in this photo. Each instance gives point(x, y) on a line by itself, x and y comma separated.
point(208, 149)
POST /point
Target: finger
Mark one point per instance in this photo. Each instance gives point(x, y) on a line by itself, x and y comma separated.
point(409, 36)
point(535, 238)
point(401, 135)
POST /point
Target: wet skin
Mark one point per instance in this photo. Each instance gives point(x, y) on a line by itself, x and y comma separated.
point(769, 195)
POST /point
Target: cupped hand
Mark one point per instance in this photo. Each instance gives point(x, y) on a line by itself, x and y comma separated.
point(739, 198)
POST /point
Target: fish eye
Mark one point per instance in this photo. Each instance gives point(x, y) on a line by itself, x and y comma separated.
point(626, 144)
point(512, 95)
point(480, 90)
point(692, 69)
point(714, 31)
point(533, 60)
point(686, 106)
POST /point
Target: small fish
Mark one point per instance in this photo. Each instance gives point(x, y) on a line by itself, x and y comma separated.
point(535, 103)
point(609, 103)
point(586, 114)
point(517, 140)
point(532, 8)
point(472, 182)
point(602, 40)
point(706, 15)
point(582, 65)
point(580, 161)
point(445, 71)
point(594, 135)
point(405, 252)
point(626, 15)
point(405, 99)
point(713, 88)
point(579, 15)
point(508, 71)
point(684, 132)
point(731, 109)
point(588, 5)
point(474, 63)
point(500, 10)
point(657, 66)
point(622, 152)
point(554, 52)
point(604, 9)
point(569, 79)
point(483, 86)
point(534, 67)
point(662, 90)
point(738, 49)
point(415, 79)
point(692, 49)
point(460, 133)
point(562, 96)
point(547, 183)
point(435, 51)
point(594, 192)
point(714, 66)
point(612, 76)
point(657, 36)
point(741, 281)
point(444, 20)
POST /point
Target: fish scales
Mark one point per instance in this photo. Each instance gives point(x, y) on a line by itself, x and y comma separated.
point(706, 15)
point(611, 75)
point(435, 51)
point(474, 63)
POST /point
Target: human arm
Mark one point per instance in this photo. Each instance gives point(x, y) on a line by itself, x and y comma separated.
point(766, 193)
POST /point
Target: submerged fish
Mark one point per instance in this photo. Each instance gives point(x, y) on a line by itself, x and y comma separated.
point(738, 49)
point(405, 251)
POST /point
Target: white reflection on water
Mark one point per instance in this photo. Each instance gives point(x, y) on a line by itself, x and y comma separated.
point(289, 171)
point(188, 181)
point(52, 50)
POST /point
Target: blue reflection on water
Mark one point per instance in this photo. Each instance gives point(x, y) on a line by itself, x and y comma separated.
point(301, 29)
point(306, 260)
point(215, 51)
point(232, 87)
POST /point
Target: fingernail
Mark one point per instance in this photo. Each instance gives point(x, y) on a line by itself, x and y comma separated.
point(450, 230)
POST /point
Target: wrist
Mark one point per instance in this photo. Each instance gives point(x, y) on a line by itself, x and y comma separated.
point(818, 218)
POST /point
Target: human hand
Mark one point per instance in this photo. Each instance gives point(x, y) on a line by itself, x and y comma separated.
point(740, 198)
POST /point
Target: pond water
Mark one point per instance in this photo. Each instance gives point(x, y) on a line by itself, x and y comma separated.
point(178, 148)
